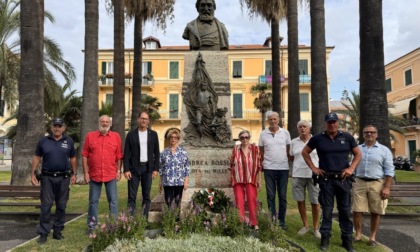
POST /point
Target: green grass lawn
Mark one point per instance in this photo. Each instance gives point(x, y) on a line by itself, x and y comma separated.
point(76, 239)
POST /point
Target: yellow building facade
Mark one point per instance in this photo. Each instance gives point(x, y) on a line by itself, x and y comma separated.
point(248, 65)
point(402, 79)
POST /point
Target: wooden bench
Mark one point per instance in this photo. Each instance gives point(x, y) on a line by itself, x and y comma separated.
point(401, 193)
point(20, 195)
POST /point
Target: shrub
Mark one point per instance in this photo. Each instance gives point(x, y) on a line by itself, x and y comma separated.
point(123, 226)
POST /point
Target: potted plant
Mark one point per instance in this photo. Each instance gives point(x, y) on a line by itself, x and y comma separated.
point(109, 75)
point(149, 77)
point(102, 79)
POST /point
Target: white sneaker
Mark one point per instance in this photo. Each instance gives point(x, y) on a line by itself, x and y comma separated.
point(303, 231)
point(317, 234)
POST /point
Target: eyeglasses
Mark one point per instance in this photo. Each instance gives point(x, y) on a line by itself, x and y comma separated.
point(174, 138)
point(244, 137)
point(369, 132)
point(57, 125)
point(144, 119)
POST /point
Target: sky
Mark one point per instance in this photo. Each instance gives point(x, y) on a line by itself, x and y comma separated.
point(400, 21)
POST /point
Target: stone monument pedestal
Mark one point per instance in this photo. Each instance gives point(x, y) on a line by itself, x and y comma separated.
point(209, 153)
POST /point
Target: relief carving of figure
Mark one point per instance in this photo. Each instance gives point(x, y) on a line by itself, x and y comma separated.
point(201, 100)
point(206, 32)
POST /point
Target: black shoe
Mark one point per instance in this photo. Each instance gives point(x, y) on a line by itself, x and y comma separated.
point(283, 226)
point(347, 243)
point(58, 236)
point(42, 238)
point(325, 242)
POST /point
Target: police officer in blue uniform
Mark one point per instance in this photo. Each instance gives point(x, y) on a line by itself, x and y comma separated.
point(334, 177)
point(58, 170)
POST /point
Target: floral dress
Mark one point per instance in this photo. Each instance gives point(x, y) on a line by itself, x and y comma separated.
point(174, 167)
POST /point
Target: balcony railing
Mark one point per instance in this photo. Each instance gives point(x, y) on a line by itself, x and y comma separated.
point(304, 78)
point(247, 114)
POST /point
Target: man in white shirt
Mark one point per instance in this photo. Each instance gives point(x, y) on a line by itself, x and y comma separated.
point(274, 146)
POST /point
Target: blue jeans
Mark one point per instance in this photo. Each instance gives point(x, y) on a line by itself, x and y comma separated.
point(95, 189)
point(277, 179)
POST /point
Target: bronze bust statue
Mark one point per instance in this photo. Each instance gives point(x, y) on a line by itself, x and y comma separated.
point(206, 32)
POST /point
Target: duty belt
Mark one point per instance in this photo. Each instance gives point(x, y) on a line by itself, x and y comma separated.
point(47, 173)
point(333, 175)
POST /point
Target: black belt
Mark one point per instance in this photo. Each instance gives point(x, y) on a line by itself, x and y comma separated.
point(56, 173)
point(332, 175)
point(143, 163)
point(368, 179)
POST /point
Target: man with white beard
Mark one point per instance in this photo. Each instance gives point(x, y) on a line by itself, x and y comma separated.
point(206, 32)
point(102, 154)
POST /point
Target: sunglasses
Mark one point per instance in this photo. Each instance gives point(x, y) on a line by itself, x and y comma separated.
point(244, 137)
point(57, 125)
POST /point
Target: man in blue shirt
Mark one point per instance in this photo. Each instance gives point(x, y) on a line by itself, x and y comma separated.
point(335, 170)
point(58, 171)
point(373, 181)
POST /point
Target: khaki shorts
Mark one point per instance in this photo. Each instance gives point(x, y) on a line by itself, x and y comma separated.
point(366, 197)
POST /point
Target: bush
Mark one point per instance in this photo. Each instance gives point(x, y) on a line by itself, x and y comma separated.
point(124, 226)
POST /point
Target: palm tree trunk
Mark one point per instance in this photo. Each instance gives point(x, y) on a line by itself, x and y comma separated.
point(90, 109)
point(137, 78)
point(275, 52)
point(293, 115)
point(373, 100)
point(319, 87)
point(30, 125)
point(118, 102)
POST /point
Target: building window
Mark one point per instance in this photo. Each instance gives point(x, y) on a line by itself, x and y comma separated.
point(174, 70)
point(237, 105)
point(268, 68)
point(408, 77)
point(108, 98)
point(388, 85)
point(146, 70)
point(303, 67)
point(107, 67)
point(304, 102)
point(173, 106)
point(411, 149)
point(151, 45)
point(237, 69)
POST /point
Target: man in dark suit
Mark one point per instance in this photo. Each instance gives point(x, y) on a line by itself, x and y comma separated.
point(141, 162)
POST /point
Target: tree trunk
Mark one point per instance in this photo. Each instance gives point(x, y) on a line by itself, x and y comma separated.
point(293, 115)
point(319, 87)
point(90, 110)
point(118, 102)
point(373, 100)
point(137, 72)
point(30, 127)
point(275, 57)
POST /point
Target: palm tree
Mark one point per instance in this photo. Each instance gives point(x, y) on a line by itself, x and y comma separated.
point(151, 105)
point(354, 110)
point(319, 88)
point(141, 11)
point(31, 89)
point(10, 56)
point(118, 115)
point(264, 100)
point(90, 108)
point(272, 11)
point(106, 109)
point(372, 71)
point(293, 115)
